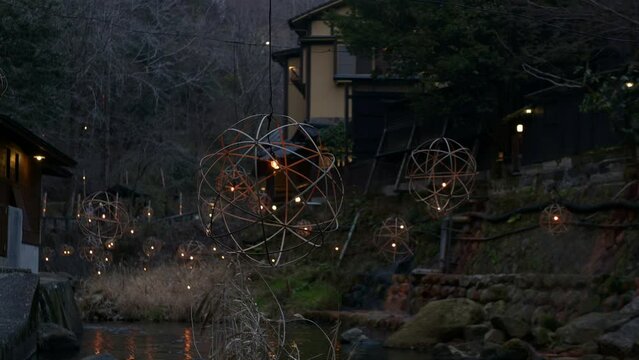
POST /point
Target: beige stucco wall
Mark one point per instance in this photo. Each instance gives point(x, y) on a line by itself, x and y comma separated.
point(320, 28)
point(327, 97)
point(296, 102)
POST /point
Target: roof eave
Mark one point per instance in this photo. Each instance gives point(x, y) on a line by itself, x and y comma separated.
point(312, 13)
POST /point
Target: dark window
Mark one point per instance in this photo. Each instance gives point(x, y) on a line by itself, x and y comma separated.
point(16, 168)
point(7, 160)
point(3, 163)
point(348, 64)
point(345, 62)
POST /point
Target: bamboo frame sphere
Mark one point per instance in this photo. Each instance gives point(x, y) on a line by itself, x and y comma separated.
point(89, 253)
point(555, 219)
point(102, 216)
point(441, 174)
point(268, 192)
point(47, 254)
point(66, 250)
point(151, 246)
point(392, 239)
point(191, 252)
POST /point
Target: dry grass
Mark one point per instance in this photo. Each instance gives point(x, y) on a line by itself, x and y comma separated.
point(165, 293)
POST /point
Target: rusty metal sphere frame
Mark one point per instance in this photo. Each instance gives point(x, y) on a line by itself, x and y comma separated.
point(151, 246)
point(47, 254)
point(392, 239)
point(269, 192)
point(191, 252)
point(555, 219)
point(66, 250)
point(103, 216)
point(441, 174)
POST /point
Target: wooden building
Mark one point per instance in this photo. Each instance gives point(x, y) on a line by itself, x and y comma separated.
point(326, 85)
point(24, 159)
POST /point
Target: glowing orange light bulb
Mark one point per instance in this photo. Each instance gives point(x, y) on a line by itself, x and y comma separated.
point(275, 165)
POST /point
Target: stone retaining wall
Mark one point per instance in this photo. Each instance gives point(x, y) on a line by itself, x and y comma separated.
point(524, 296)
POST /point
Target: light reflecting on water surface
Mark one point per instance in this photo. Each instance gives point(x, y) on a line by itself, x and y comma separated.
point(171, 341)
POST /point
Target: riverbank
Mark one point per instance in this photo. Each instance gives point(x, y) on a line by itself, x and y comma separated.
point(167, 292)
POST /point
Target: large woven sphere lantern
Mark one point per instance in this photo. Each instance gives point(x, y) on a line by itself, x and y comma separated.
point(268, 192)
point(441, 174)
point(91, 249)
point(555, 219)
point(393, 239)
point(151, 246)
point(102, 216)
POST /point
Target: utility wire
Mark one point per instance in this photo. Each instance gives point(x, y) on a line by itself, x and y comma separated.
point(270, 58)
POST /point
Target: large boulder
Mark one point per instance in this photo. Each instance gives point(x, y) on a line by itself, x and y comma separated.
point(476, 332)
point(514, 349)
point(632, 308)
point(494, 336)
point(438, 321)
point(55, 338)
point(541, 336)
point(353, 335)
point(590, 326)
point(622, 342)
point(518, 349)
point(514, 328)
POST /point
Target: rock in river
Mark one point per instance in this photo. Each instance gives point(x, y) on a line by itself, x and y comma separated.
point(437, 321)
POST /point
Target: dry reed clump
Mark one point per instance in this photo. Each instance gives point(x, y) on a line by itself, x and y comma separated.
point(164, 293)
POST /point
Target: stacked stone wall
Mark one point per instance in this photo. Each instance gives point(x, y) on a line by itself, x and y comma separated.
point(524, 296)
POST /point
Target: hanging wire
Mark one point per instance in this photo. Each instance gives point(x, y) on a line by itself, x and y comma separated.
point(270, 58)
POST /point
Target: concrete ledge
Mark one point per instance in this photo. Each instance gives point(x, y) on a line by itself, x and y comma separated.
point(18, 314)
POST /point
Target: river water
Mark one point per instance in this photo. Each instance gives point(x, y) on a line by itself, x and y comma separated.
point(173, 341)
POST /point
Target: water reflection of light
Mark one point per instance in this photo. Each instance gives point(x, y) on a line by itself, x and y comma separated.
point(149, 347)
point(188, 339)
point(98, 342)
point(130, 346)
